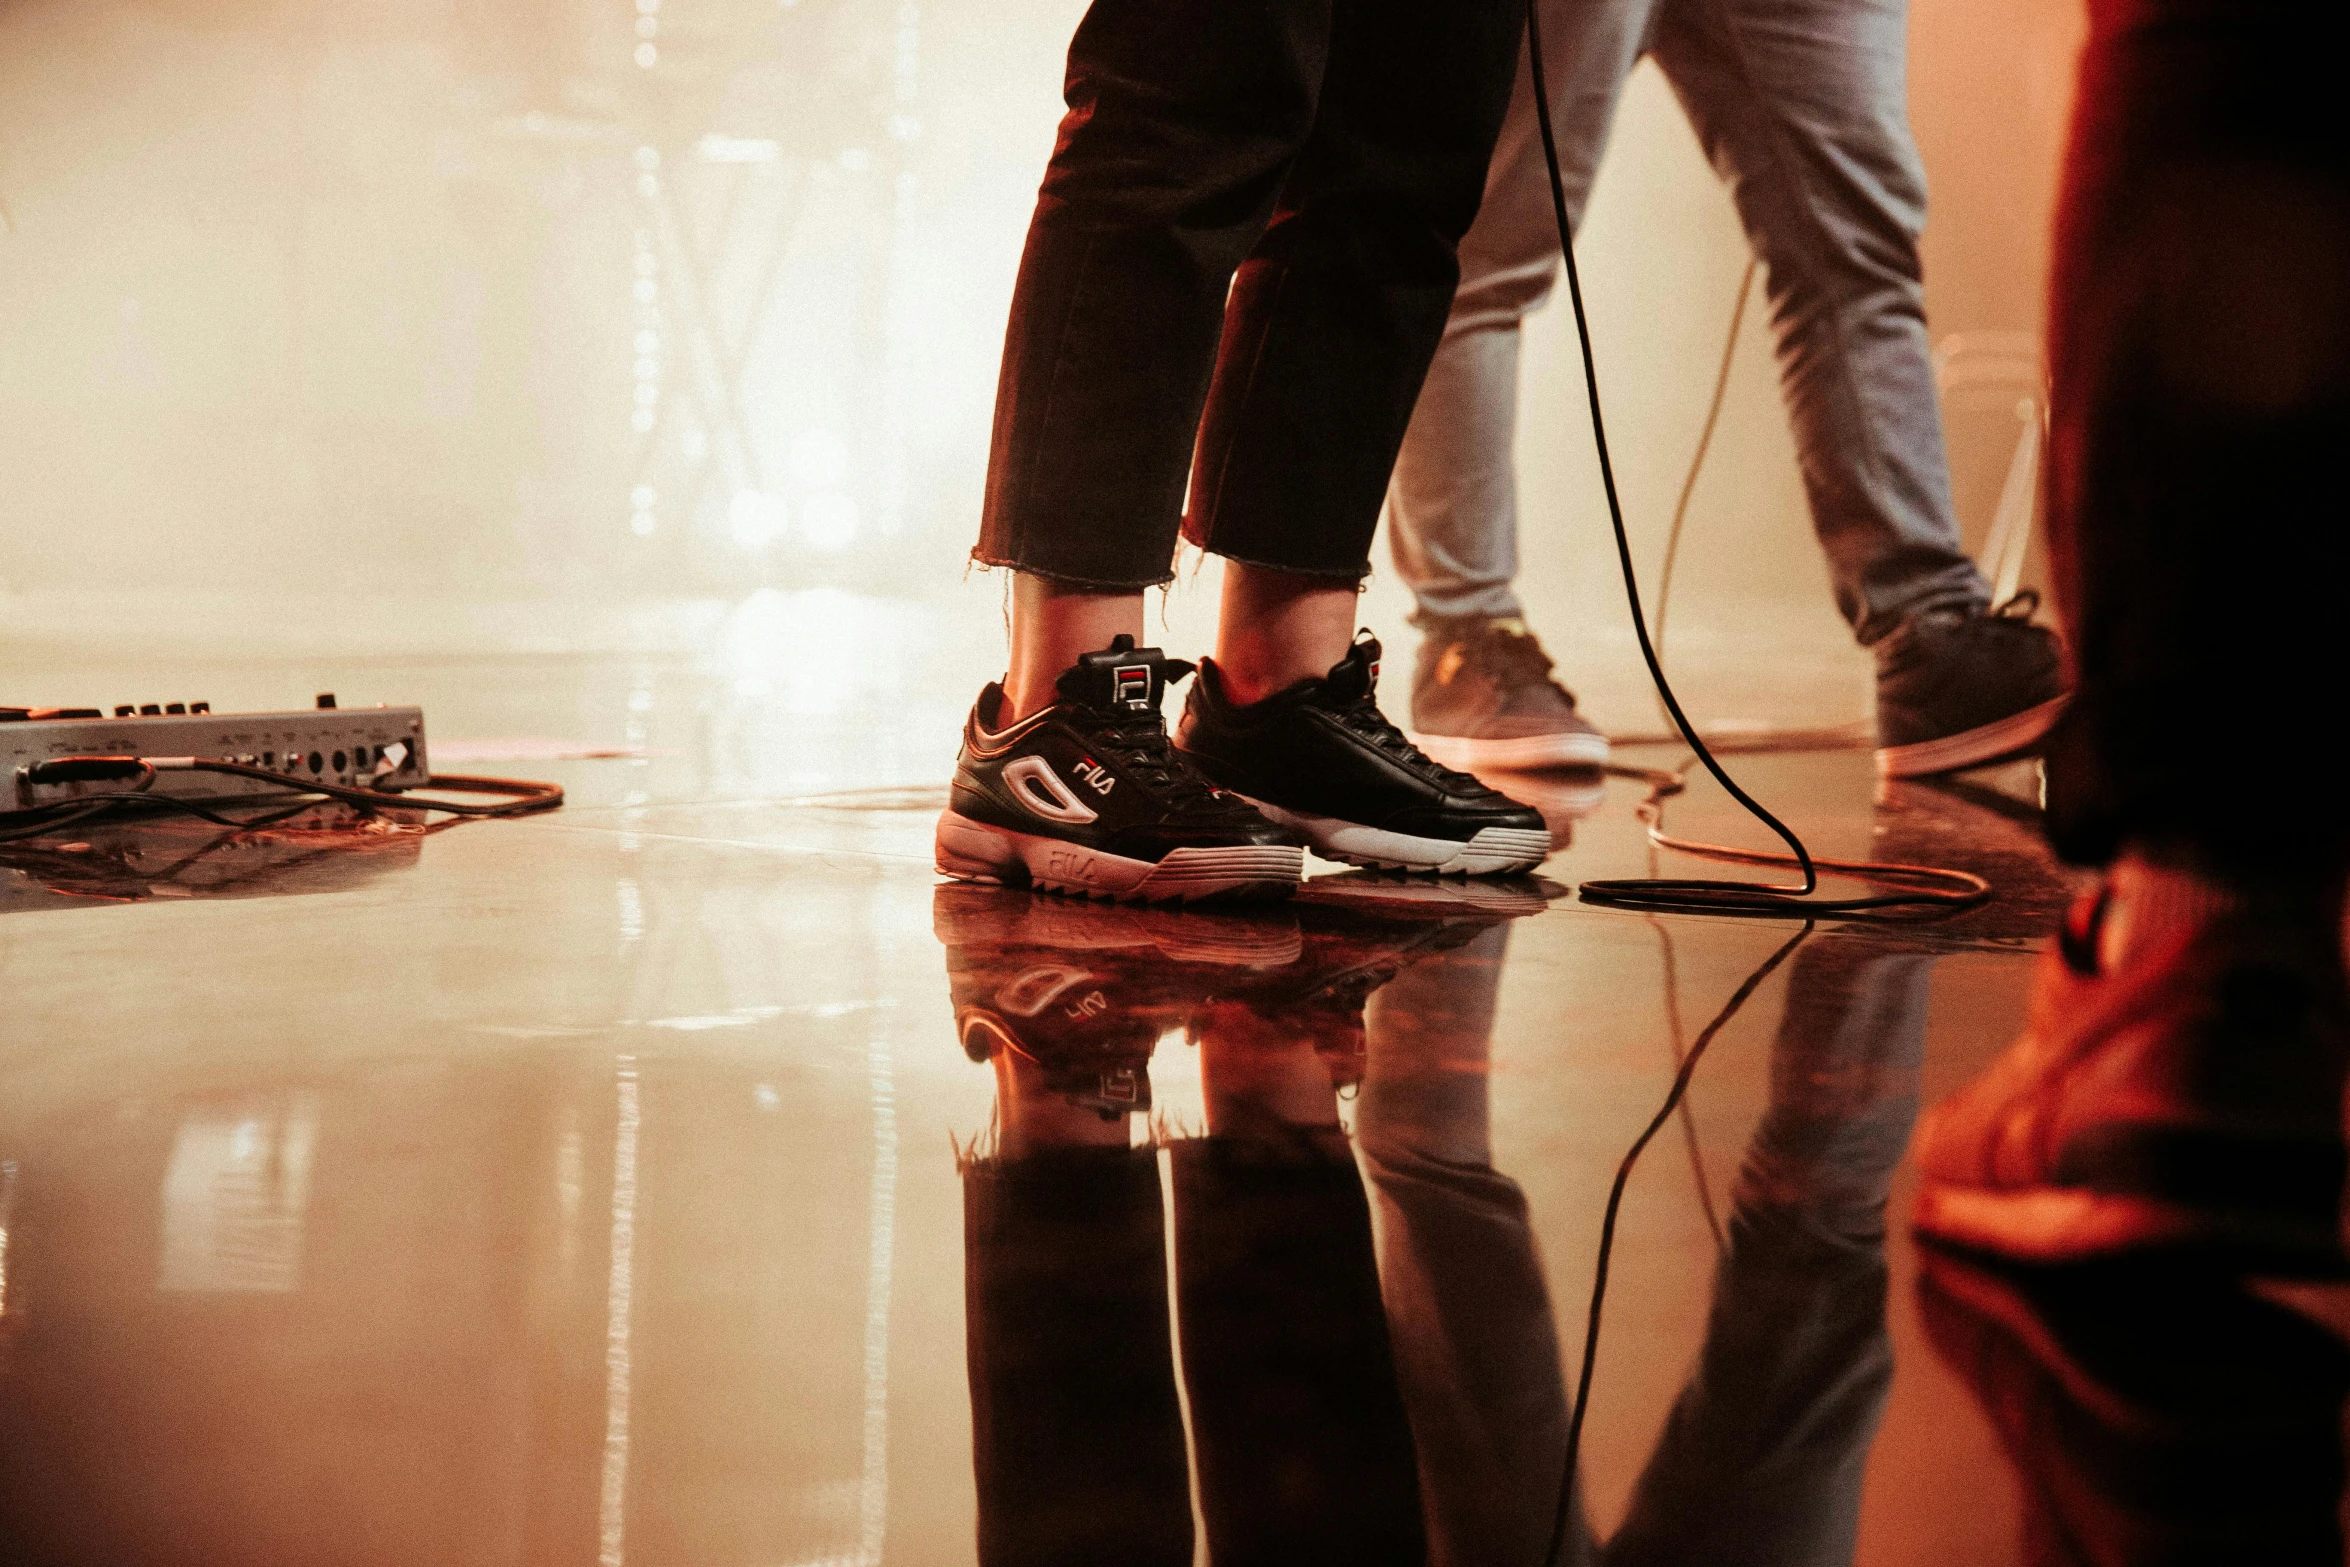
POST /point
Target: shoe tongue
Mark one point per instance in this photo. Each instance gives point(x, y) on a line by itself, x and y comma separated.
point(1357, 674)
point(1121, 678)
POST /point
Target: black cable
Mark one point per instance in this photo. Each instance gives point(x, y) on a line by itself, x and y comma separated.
point(55, 816)
point(1607, 1231)
point(1689, 896)
point(528, 796)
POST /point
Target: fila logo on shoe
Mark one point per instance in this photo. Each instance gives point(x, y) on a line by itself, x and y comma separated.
point(1130, 684)
point(1039, 789)
point(1102, 779)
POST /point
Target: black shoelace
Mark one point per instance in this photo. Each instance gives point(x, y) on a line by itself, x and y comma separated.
point(1362, 716)
point(1138, 743)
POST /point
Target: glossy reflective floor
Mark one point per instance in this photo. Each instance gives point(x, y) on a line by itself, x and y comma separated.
point(691, 1177)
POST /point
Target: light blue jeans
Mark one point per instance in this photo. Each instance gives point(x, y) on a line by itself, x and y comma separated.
point(1801, 105)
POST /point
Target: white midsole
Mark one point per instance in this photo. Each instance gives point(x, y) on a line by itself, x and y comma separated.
point(1492, 849)
point(978, 851)
point(1569, 749)
point(1974, 745)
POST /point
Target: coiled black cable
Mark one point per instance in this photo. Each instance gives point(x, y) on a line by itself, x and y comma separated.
point(1694, 895)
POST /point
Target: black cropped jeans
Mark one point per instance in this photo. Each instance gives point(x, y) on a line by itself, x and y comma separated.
point(1332, 153)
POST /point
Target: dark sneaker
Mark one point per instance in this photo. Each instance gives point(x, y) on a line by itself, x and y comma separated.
point(1360, 931)
point(2191, 1101)
point(1962, 688)
point(1087, 796)
point(1482, 697)
point(2153, 1413)
point(1087, 996)
point(1321, 758)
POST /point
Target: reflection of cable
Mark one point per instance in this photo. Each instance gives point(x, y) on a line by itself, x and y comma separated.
point(1607, 1230)
point(1692, 895)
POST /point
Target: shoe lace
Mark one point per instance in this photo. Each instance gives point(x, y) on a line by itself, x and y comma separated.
point(1362, 716)
point(1517, 659)
point(1139, 744)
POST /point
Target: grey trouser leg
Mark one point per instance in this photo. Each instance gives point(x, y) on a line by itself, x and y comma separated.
point(1801, 106)
point(1452, 506)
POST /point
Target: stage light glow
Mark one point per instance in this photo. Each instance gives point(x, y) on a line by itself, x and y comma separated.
point(756, 518)
point(829, 520)
point(819, 459)
point(715, 148)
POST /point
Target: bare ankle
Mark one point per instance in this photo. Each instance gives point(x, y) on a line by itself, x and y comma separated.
point(1276, 628)
point(1053, 625)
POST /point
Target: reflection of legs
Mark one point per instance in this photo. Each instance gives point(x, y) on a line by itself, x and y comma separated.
point(1761, 1458)
point(1304, 1456)
point(1476, 1350)
point(1077, 1435)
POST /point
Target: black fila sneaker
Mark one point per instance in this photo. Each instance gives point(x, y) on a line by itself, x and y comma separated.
point(1086, 796)
point(1320, 758)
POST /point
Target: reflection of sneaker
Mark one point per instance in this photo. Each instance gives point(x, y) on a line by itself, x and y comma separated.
point(1959, 688)
point(1087, 997)
point(1358, 935)
point(2153, 1413)
point(1086, 796)
point(1482, 697)
point(2190, 1101)
point(968, 916)
point(1374, 891)
point(1319, 757)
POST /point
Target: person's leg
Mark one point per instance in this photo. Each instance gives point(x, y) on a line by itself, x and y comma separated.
point(1482, 692)
point(1184, 121)
point(2180, 1080)
point(1338, 308)
point(1332, 322)
point(1452, 506)
point(1802, 106)
point(1275, 628)
point(1333, 318)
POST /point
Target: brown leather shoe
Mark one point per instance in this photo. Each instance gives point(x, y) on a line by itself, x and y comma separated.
point(2190, 1101)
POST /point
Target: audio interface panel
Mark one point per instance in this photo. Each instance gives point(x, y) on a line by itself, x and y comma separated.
point(365, 747)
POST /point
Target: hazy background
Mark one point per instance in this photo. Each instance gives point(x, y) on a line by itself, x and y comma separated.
point(597, 327)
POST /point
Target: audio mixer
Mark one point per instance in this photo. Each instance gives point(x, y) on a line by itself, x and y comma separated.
point(366, 747)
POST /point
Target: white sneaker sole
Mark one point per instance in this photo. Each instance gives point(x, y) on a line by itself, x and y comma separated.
point(974, 851)
point(1575, 748)
point(1494, 851)
point(1972, 747)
